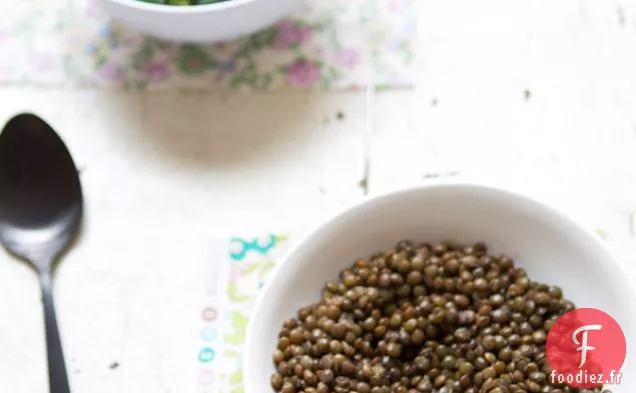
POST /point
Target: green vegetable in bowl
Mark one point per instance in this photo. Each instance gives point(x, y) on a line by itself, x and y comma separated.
point(182, 2)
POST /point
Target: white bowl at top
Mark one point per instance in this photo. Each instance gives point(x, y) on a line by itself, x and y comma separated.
point(550, 246)
point(199, 23)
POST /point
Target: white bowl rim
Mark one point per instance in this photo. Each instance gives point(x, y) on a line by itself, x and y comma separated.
point(173, 9)
point(251, 334)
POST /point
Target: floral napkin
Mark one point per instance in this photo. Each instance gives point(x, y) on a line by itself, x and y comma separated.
point(326, 44)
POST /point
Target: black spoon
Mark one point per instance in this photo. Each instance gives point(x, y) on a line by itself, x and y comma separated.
point(40, 213)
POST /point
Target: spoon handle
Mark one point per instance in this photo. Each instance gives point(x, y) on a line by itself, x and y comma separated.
point(58, 379)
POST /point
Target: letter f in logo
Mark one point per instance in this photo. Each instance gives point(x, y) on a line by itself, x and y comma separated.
point(583, 344)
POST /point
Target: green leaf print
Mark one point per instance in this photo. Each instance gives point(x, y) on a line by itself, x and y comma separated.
point(239, 325)
point(233, 294)
point(236, 377)
point(267, 267)
point(257, 43)
point(100, 60)
point(601, 233)
point(263, 39)
point(236, 82)
point(252, 268)
point(193, 60)
point(266, 81)
point(142, 56)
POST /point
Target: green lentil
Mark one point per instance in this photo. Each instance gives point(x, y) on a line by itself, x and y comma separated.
point(432, 318)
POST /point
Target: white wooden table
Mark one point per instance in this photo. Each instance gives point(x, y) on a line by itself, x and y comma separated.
point(537, 95)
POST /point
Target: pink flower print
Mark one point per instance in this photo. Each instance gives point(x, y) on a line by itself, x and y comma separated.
point(348, 57)
point(112, 72)
point(303, 73)
point(155, 71)
point(284, 34)
point(289, 34)
point(304, 33)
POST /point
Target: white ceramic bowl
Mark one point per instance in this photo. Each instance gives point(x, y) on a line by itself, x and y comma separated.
point(549, 245)
point(202, 23)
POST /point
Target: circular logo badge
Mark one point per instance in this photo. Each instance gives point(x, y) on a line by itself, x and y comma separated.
point(586, 348)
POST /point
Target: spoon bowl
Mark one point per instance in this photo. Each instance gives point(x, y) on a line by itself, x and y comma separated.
point(41, 208)
point(40, 191)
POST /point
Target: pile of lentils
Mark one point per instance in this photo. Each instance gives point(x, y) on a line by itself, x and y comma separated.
point(437, 318)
